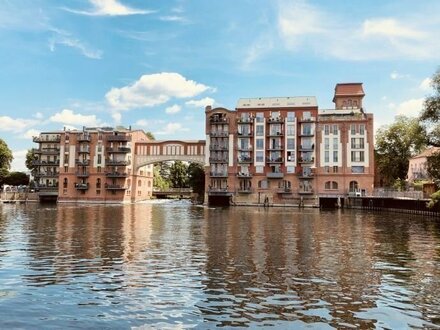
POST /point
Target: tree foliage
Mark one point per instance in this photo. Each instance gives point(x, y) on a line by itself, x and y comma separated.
point(17, 179)
point(179, 174)
point(150, 136)
point(5, 155)
point(430, 116)
point(30, 157)
point(159, 182)
point(433, 167)
point(196, 178)
point(396, 144)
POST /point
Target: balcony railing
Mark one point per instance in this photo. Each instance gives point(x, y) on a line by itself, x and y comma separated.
point(46, 175)
point(81, 186)
point(119, 138)
point(244, 159)
point(307, 120)
point(276, 147)
point(45, 163)
point(305, 176)
point(219, 120)
point(118, 150)
point(244, 133)
point(284, 191)
point(84, 138)
point(40, 139)
point(218, 147)
point(82, 174)
point(274, 160)
point(242, 175)
point(306, 160)
point(245, 190)
point(82, 162)
point(247, 149)
point(84, 150)
point(276, 133)
point(275, 175)
point(218, 174)
point(111, 162)
point(306, 134)
point(245, 120)
point(115, 187)
point(306, 148)
point(219, 191)
point(303, 191)
point(219, 134)
point(276, 120)
point(218, 160)
point(116, 174)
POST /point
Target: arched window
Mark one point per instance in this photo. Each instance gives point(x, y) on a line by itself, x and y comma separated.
point(149, 184)
point(285, 184)
point(98, 183)
point(354, 186)
point(327, 185)
point(331, 185)
point(344, 103)
point(65, 182)
point(334, 185)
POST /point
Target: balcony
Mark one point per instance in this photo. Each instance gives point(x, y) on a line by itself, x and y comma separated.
point(219, 192)
point(118, 138)
point(111, 162)
point(46, 175)
point(219, 120)
point(49, 151)
point(81, 186)
point(116, 175)
point(284, 191)
point(84, 138)
point(119, 150)
point(307, 120)
point(242, 175)
point(276, 120)
point(40, 139)
point(276, 147)
point(275, 133)
point(306, 134)
point(244, 133)
point(306, 160)
point(219, 134)
point(306, 148)
point(275, 175)
point(244, 190)
point(82, 174)
point(45, 163)
point(214, 160)
point(218, 174)
point(82, 162)
point(274, 160)
point(303, 191)
point(305, 176)
point(247, 149)
point(216, 147)
point(114, 187)
point(245, 121)
point(84, 150)
point(244, 159)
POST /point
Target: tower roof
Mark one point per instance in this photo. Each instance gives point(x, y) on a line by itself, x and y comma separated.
point(348, 89)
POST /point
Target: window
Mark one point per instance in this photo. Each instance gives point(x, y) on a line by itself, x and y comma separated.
point(66, 169)
point(259, 130)
point(99, 147)
point(355, 104)
point(335, 169)
point(290, 129)
point(291, 116)
point(139, 183)
point(99, 159)
point(327, 185)
point(335, 143)
point(326, 129)
point(357, 156)
point(326, 143)
point(260, 117)
point(290, 169)
point(349, 103)
point(65, 182)
point(331, 185)
point(98, 169)
point(263, 184)
point(307, 129)
point(357, 169)
point(327, 156)
point(306, 115)
point(353, 186)
point(259, 156)
point(334, 185)
point(357, 143)
point(353, 129)
point(335, 156)
point(362, 129)
point(326, 169)
point(98, 192)
point(260, 144)
point(98, 183)
point(259, 169)
point(335, 129)
point(290, 156)
point(290, 143)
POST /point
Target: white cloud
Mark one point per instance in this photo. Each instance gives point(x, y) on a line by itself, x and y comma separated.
point(425, 85)
point(109, 8)
point(19, 161)
point(391, 105)
point(306, 27)
point(68, 117)
point(173, 109)
point(172, 128)
point(173, 18)
point(153, 89)
point(29, 134)
point(9, 124)
point(396, 75)
point(117, 117)
point(201, 103)
point(410, 107)
point(142, 122)
point(38, 115)
point(66, 40)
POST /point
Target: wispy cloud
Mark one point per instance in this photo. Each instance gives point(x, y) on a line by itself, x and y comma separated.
point(410, 107)
point(173, 109)
point(396, 75)
point(426, 85)
point(66, 40)
point(174, 18)
point(200, 103)
point(109, 8)
point(171, 129)
point(9, 124)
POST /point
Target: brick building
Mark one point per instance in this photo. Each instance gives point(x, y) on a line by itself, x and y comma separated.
point(92, 165)
point(286, 150)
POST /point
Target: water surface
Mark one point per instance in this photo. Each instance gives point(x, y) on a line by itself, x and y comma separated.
point(173, 265)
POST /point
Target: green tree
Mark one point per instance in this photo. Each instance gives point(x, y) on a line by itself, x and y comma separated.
point(430, 116)
point(5, 155)
point(179, 174)
point(30, 158)
point(3, 175)
point(17, 179)
point(159, 182)
point(196, 179)
point(396, 144)
point(150, 136)
point(433, 167)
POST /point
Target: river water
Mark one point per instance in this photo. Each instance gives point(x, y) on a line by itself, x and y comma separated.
point(173, 265)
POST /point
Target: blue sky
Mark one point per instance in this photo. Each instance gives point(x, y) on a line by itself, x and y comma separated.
point(154, 65)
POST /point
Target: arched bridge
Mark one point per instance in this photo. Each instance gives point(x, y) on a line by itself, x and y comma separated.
point(160, 151)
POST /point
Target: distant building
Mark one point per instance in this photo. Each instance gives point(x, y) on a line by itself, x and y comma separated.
point(285, 150)
point(92, 165)
point(417, 168)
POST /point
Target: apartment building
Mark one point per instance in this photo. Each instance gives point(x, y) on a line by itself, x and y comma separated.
point(92, 165)
point(285, 150)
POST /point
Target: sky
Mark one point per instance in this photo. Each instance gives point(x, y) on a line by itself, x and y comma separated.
point(155, 65)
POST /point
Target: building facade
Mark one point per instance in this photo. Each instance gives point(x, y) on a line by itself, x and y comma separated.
point(288, 151)
point(417, 167)
point(92, 165)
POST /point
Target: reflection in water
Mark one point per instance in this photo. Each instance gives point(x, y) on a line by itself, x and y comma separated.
point(174, 265)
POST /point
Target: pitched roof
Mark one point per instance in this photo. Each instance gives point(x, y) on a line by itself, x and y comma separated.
point(349, 89)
